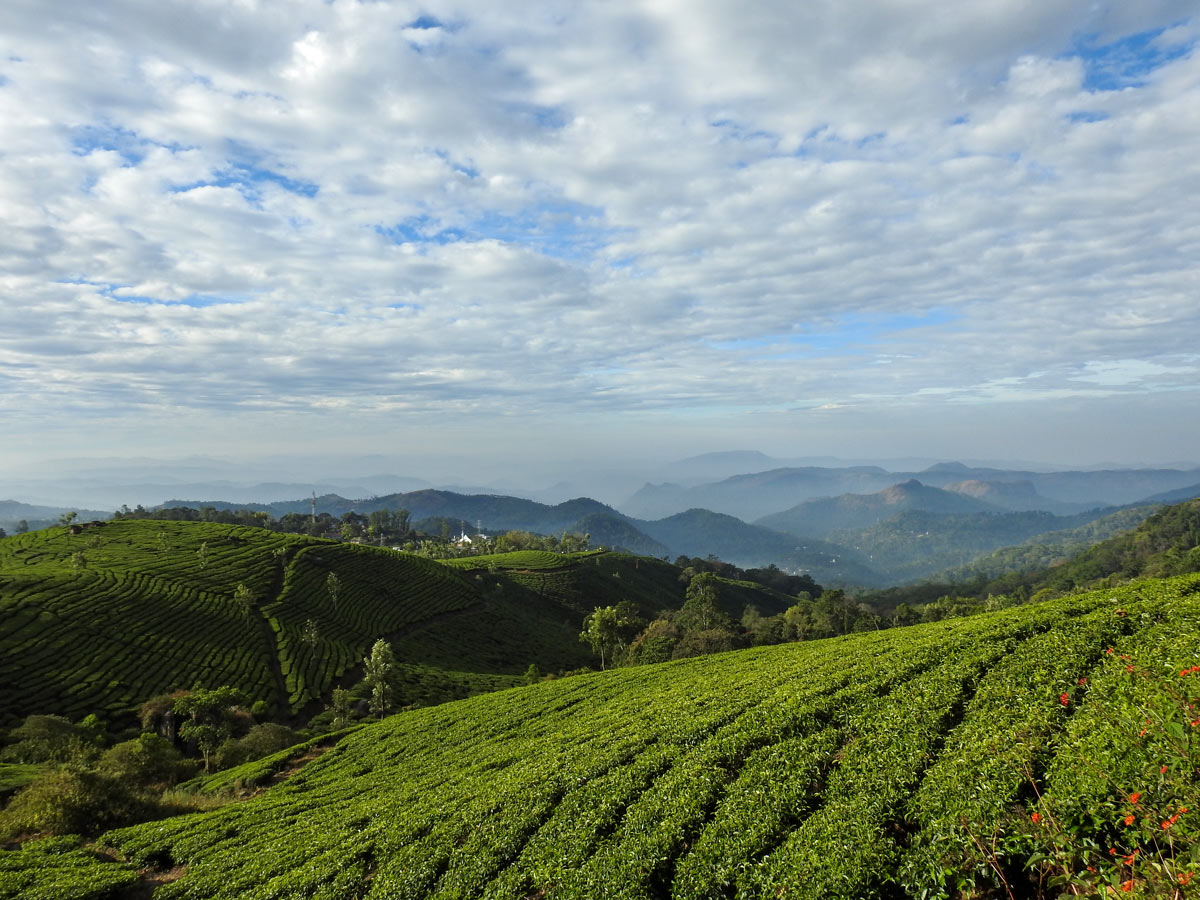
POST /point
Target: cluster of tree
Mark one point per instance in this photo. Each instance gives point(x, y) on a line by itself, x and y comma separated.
point(769, 576)
point(619, 637)
point(91, 779)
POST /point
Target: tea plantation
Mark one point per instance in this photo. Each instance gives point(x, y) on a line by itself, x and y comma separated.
point(1033, 752)
point(98, 618)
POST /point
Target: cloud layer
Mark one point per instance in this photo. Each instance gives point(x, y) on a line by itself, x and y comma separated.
point(356, 218)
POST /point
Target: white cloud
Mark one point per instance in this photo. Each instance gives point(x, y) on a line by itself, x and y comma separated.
point(380, 209)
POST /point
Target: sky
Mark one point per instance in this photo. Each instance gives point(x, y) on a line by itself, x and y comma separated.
point(590, 230)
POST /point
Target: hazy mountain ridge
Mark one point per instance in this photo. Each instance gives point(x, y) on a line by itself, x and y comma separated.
point(756, 495)
point(819, 518)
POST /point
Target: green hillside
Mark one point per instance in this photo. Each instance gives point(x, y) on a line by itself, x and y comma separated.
point(916, 543)
point(1007, 751)
point(100, 617)
point(1046, 548)
point(1137, 542)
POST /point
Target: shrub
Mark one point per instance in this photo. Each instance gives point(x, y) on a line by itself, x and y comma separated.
point(41, 739)
point(262, 740)
point(73, 801)
point(149, 760)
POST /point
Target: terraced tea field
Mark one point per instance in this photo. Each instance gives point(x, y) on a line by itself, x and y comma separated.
point(1023, 751)
point(99, 618)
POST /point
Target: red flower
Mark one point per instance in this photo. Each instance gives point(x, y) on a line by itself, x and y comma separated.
point(1127, 886)
point(1081, 681)
point(1064, 698)
point(1184, 877)
point(1035, 818)
point(1162, 771)
point(1109, 651)
point(1135, 796)
point(1129, 820)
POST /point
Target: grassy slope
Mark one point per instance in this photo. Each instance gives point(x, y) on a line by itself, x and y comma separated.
point(868, 766)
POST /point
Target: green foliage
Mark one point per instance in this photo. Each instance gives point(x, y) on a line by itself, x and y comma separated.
point(1120, 809)
point(700, 610)
point(148, 615)
point(60, 869)
point(138, 621)
point(72, 801)
point(377, 676)
point(43, 739)
point(147, 760)
point(260, 741)
point(209, 718)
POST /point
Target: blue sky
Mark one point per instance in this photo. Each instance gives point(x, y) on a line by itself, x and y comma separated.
point(592, 230)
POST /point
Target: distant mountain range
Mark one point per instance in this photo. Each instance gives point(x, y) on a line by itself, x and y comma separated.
point(844, 525)
point(759, 494)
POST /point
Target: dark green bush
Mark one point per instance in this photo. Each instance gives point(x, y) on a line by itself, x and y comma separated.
point(73, 801)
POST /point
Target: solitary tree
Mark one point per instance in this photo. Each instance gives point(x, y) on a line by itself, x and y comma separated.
point(700, 611)
point(379, 667)
point(210, 718)
point(310, 634)
point(244, 598)
point(339, 705)
point(334, 585)
point(608, 629)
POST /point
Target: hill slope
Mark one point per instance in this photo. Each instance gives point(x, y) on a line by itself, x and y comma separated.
point(100, 617)
point(861, 767)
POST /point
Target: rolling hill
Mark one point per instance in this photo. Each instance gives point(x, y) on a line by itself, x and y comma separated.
point(1002, 754)
point(694, 532)
point(100, 617)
